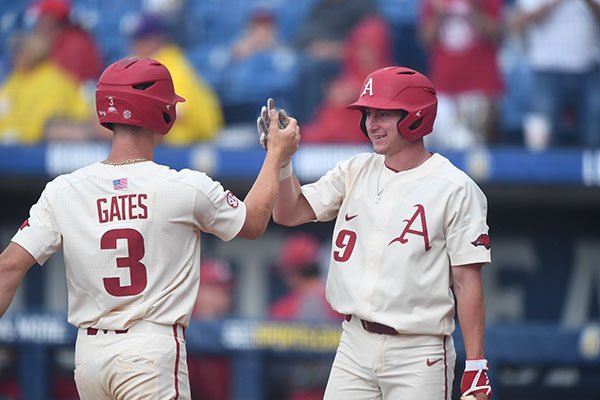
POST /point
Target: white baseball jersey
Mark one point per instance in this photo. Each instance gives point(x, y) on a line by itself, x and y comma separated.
point(131, 239)
point(391, 256)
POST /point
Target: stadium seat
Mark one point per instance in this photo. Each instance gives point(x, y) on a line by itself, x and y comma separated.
point(290, 14)
point(218, 22)
point(209, 61)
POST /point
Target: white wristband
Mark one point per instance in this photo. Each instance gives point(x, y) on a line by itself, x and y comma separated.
point(285, 171)
point(476, 365)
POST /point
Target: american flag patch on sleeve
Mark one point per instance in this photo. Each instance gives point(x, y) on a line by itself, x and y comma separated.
point(120, 183)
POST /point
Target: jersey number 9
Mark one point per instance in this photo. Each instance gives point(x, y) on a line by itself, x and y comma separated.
point(345, 241)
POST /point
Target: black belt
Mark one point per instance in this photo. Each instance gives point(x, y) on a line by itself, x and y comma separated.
point(375, 327)
point(94, 331)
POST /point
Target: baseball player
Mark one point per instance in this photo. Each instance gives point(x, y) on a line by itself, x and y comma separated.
point(130, 232)
point(410, 234)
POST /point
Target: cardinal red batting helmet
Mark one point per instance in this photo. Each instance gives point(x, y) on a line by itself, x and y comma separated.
point(137, 91)
point(400, 88)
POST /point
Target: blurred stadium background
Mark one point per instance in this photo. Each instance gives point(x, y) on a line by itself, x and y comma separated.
point(542, 290)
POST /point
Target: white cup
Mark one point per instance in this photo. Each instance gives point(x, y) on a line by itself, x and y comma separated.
point(536, 128)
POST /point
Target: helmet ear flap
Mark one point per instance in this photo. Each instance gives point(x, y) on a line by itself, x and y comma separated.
point(363, 122)
point(402, 118)
point(166, 117)
point(415, 124)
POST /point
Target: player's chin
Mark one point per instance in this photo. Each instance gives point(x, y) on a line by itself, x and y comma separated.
point(378, 147)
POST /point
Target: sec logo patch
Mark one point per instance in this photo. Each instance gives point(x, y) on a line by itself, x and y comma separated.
point(232, 200)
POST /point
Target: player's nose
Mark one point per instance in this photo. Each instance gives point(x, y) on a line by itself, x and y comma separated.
point(371, 124)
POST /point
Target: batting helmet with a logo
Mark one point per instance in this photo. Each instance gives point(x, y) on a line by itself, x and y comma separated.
point(400, 88)
point(139, 92)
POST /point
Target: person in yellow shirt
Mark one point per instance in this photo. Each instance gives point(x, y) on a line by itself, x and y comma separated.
point(38, 97)
point(201, 116)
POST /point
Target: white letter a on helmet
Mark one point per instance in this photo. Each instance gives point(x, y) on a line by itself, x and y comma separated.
point(368, 88)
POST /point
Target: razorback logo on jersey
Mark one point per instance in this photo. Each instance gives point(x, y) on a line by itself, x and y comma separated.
point(232, 200)
point(482, 240)
point(24, 224)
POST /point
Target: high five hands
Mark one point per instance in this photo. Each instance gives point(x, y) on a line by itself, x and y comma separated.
point(272, 122)
point(263, 121)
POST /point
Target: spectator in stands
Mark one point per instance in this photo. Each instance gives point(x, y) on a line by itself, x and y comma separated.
point(462, 38)
point(9, 379)
point(210, 374)
point(367, 48)
point(563, 50)
point(320, 41)
point(403, 18)
point(299, 265)
point(72, 47)
point(61, 379)
point(260, 34)
point(200, 117)
point(39, 100)
point(215, 297)
point(259, 66)
point(174, 15)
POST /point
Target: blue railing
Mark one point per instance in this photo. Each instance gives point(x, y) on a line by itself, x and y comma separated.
point(496, 165)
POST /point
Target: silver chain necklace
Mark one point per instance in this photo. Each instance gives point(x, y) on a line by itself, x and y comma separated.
point(380, 191)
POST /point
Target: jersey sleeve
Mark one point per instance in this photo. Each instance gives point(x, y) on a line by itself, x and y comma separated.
point(467, 236)
point(325, 196)
point(39, 234)
point(218, 211)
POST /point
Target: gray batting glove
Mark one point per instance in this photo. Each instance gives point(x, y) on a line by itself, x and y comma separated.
point(262, 123)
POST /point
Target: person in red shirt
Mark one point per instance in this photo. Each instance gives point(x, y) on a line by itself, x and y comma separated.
point(299, 265)
point(366, 48)
point(462, 38)
point(73, 48)
point(9, 378)
point(211, 374)
point(215, 297)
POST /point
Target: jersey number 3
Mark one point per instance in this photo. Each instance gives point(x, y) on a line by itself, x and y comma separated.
point(135, 252)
